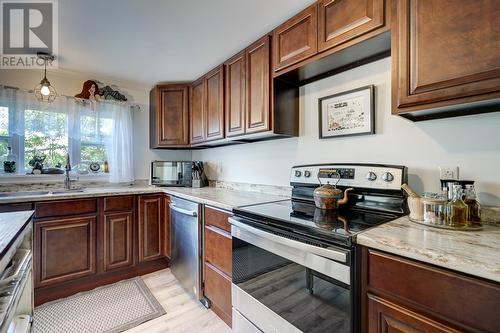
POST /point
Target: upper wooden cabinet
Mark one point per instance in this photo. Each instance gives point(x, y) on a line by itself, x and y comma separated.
point(444, 53)
point(296, 39)
point(197, 111)
point(169, 112)
point(235, 91)
point(214, 127)
point(258, 84)
point(342, 20)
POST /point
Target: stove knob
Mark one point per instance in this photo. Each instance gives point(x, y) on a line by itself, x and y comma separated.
point(307, 173)
point(298, 173)
point(388, 177)
point(371, 176)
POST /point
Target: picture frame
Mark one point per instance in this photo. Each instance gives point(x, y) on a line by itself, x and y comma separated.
point(348, 113)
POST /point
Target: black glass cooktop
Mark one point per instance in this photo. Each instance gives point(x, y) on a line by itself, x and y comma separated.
point(304, 218)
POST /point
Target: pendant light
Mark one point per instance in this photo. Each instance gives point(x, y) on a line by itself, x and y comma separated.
point(44, 92)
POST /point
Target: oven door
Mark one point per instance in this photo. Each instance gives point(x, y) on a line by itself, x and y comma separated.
point(285, 285)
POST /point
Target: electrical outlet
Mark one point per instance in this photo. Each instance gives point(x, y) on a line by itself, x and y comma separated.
point(447, 172)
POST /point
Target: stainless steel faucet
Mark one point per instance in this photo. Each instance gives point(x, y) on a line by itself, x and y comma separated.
point(67, 179)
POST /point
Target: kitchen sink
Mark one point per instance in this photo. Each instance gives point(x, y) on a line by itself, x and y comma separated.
point(67, 191)
point(22, 193)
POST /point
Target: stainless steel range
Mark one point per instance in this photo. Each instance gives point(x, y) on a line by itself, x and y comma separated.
point(296, 267)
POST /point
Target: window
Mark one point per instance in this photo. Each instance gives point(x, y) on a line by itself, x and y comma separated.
point(4, 133)
point(95, 133)
point(83, 129)
point(45, 133)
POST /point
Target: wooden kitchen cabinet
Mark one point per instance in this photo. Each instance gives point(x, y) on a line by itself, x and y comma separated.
point(214, 81)
point(65, 249)
point(402, 295)
point(118, 240)
point(218, 262)
point(235, 94)
point(340, 21)
point(197, 111)
point(151, 227)
point(296, 39)
point(441, 63)
point(258, 86)
point(169, 116)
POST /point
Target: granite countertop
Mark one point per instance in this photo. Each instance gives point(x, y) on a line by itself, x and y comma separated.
point(11, 224)
point(473, 252)
point(222, 198)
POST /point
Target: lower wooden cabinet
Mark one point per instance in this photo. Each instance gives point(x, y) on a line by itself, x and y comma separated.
point(218, 262)
point(118, 240)
point(167, 243)
point(83, 244)
point(403, 295)
point(218, 291)
point(387, 317)
point(65, 249)
point(151, 232)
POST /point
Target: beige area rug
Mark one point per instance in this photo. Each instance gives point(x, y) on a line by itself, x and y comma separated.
point(112, 308)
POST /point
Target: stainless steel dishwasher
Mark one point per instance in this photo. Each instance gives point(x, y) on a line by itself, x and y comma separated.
point(186, 245)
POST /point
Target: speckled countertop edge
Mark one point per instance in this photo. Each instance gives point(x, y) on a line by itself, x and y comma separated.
point(472, 252)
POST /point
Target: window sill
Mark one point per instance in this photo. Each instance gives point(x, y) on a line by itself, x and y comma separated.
point(23, 179)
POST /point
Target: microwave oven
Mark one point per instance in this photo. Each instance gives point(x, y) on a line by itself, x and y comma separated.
point(172, 173)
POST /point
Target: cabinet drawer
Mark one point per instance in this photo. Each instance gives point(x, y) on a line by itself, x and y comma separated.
point(16, 207)
point(218, 290)
point(218, 249)
point(217, 218)
point(451, 295)
point(66, 207)
point(384, 316)
point(121, 203)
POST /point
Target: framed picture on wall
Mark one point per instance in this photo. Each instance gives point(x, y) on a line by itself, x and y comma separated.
point(347, 113)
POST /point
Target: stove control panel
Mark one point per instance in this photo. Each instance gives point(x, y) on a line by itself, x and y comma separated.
point(366, 175)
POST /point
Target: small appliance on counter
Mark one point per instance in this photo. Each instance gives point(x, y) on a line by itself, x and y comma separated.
point(290, 257)
point(178, 173)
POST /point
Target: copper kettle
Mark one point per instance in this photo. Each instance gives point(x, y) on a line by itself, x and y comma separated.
point(328, 196)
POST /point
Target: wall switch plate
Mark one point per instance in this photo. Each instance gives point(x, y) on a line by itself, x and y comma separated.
point(447, 172)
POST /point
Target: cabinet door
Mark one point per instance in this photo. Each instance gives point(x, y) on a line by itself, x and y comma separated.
point(235, 103)
point(218, 249)
point(65, 249)
point(296, 39)
point(445, 60)
point(215, 104)
point(171, 114)
point(218, 291)
point(342, 20)
point(167, 244)
point(197, 111)
point(118, 240)
point(258, 86)
point(150, 227)
point(387, 317)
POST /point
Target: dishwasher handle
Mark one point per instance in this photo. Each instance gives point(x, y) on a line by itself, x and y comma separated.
point(183, 211)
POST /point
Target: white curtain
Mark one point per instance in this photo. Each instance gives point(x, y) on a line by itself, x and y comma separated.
point(119, 143)
point(121, 163)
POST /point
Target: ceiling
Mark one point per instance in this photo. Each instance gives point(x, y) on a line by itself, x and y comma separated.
point(152, 41)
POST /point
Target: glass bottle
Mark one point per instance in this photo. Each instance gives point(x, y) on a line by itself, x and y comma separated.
point(9, 165)
point(472, 204)
point(456, 209)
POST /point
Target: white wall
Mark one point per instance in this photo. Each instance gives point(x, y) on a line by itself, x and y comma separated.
point(472, 142)
point(70, 83)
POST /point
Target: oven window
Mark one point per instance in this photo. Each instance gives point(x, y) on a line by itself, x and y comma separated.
point(306, 299)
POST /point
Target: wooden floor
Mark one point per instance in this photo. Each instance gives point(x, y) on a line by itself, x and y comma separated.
point(183, 313)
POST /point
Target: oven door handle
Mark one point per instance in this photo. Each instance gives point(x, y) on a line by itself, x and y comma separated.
point(329, 252)
point(21, 258)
